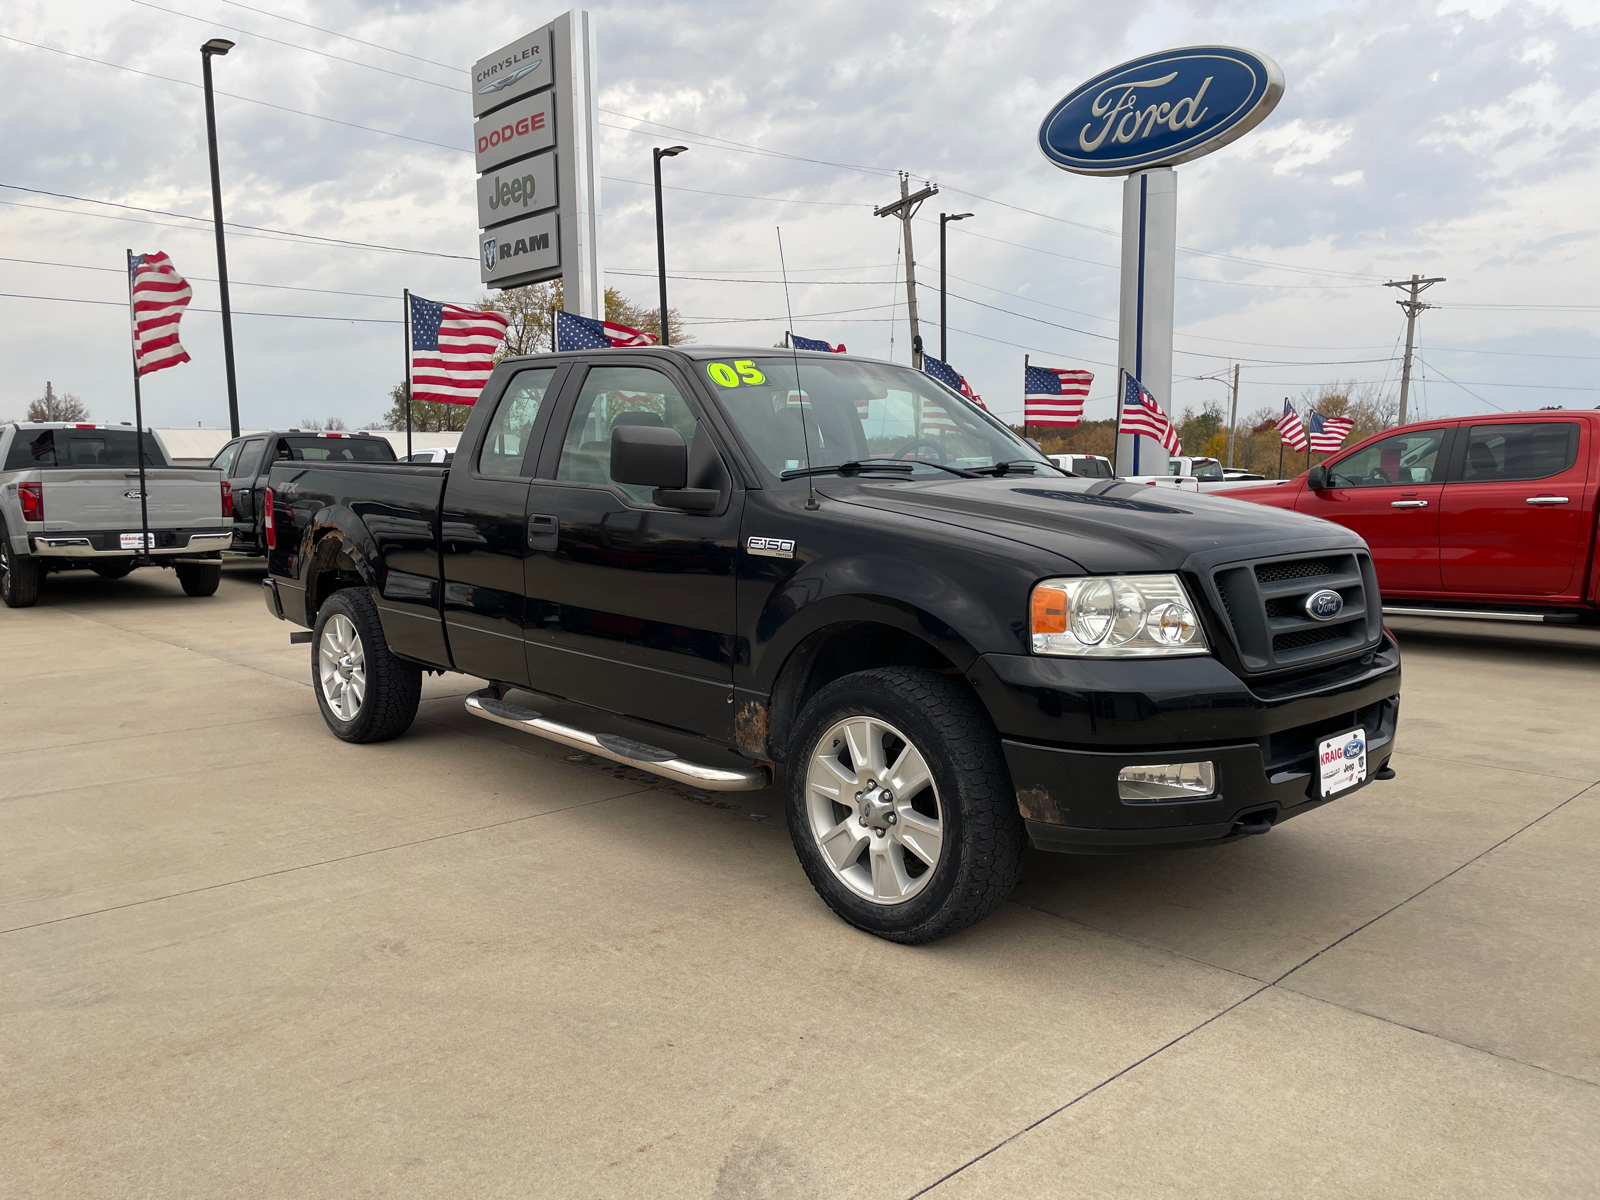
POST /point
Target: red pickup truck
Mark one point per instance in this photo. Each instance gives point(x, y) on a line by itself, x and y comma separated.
point(1468, 516)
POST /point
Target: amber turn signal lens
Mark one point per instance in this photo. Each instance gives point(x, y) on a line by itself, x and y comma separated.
point(1049, 610)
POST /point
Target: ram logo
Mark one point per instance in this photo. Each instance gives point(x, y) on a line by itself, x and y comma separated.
point(770, 547)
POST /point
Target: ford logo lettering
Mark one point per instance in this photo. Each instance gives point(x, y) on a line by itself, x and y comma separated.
point(1355, 748)
point(1160, 110)
point(1324, 605)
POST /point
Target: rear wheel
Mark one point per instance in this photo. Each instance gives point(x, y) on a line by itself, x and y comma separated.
point(115, 568)
point(365, 692)
point(199, 579)
point(900, 805)
point(19, 575)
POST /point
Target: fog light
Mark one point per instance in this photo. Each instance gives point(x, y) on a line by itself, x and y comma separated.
point(1167, 781)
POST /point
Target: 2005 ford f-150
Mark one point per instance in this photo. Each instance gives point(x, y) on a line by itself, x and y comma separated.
point(838, 573)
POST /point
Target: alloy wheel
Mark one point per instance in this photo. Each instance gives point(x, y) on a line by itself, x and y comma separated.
point(342, 667)
point(873, 808)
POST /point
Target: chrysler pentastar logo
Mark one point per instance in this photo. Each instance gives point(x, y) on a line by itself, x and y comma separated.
point(1324, 605)
point(499, 85)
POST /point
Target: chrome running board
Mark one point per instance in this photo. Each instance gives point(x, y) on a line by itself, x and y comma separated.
point(488, 705)
point(1481, 614)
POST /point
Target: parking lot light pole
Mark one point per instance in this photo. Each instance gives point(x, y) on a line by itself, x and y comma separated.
point(661, 237)
point(218, 46)
point(944, 322)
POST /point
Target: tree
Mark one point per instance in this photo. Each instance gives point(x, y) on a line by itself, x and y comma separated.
point(427, 416)
point(332, 424)
point(529, 309)
point(53, 407)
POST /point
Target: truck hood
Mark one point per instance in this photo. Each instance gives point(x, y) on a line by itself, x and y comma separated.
point(1105, 526)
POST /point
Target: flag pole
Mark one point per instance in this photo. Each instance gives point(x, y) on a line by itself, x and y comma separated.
point(405, 325)
point(555, 345)
point(138, 421)
point(1025, 360)
point(1280, 440)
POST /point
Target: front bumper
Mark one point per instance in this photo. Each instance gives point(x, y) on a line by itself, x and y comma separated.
point(1261, 737)
point(102, 544)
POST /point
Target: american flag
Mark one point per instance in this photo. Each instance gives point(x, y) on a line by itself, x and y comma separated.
point(1290, 428)
point(1142, 415)
point(1327, 434)
point(585, 333)
point(160, 295)
point(947, 375)
point(452, 350)
point(1054, 397)
point(801, 343)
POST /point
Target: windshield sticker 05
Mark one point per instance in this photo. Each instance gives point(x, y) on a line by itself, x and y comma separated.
point(740, 372)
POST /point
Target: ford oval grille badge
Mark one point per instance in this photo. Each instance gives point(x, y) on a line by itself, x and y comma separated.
point(1324, 605)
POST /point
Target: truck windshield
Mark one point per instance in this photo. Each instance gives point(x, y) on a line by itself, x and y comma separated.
point(855, 411)
point(320, 449)
point(32, 448)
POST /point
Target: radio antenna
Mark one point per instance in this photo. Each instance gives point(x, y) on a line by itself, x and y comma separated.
point(805, 440)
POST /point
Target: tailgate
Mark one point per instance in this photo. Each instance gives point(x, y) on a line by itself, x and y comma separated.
point(87, 498)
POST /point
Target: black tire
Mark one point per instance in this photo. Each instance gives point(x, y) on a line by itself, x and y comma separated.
point(392, 686)
point(199, 579)
point(981, 831)
point(112, 568)
point(19, 575)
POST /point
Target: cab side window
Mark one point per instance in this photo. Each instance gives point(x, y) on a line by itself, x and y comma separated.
point(249, 459)
point(614, 396)
point(1405, 458)
point(224, 461)
point(505, 444)
point(1507, 452)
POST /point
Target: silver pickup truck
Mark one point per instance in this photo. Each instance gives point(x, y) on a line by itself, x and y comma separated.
point(69, 498)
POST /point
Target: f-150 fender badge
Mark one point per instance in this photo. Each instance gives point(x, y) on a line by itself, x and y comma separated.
point(770, 547)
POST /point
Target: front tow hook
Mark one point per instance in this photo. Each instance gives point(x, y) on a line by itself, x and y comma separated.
point(1255, 824)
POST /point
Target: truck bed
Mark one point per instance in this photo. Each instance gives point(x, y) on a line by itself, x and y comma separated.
point(397, 506)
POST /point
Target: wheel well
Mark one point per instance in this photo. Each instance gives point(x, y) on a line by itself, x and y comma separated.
point(331, 569)
point(837, 651)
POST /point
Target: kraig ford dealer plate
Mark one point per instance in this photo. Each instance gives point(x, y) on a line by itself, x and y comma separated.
point(1343, 761)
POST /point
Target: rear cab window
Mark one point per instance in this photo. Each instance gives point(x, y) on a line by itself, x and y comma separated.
point(39, 448)
point(1507, 452)
point(311, 448)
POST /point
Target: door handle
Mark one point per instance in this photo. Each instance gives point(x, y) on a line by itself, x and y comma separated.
point(544, 532)
point(1408, 504)
point(1547, 499)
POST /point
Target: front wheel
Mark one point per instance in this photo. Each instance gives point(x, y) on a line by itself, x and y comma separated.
point(365, 692)
point(900, 805)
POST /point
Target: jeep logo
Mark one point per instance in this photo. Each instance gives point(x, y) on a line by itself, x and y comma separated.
point(1324, 605)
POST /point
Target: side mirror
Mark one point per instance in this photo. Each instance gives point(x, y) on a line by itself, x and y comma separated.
point(649, 456)
point(1317, 478)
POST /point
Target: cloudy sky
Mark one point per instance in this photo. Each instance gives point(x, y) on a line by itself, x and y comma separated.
point(1455, 139)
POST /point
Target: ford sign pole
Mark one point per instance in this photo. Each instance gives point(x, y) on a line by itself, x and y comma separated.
point(1139, 120)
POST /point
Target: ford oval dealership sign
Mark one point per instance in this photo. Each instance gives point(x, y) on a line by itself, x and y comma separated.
point(1160, 110)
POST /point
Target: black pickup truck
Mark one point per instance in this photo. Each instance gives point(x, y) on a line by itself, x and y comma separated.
point(832, 572)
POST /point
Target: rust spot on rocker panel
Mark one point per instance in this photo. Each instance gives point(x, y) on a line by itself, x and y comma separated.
point(1041, 804)
point(751, 727)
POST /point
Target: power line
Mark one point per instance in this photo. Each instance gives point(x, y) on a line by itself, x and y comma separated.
point(123, 304)
point(739, 195)
point(335, 33)
point(315, 237)
point(286, 287)
point(235, 96)
point(296, 46)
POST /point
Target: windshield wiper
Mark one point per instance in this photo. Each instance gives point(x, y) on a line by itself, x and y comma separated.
point(1021, 466)
point(855, 467)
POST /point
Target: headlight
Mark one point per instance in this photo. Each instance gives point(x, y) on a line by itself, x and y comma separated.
point(1123, 616)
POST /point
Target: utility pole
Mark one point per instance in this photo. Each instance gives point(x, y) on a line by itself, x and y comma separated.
point(1412, 306)
point(1233, 412)
point(905, 208)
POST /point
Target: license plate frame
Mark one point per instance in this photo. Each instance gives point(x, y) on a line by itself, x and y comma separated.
point(1338, 767)
point(138, 541)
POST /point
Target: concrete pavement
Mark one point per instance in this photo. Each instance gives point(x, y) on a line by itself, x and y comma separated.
point(243, 958)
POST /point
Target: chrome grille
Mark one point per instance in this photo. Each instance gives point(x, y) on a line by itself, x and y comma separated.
point(1265, 603)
